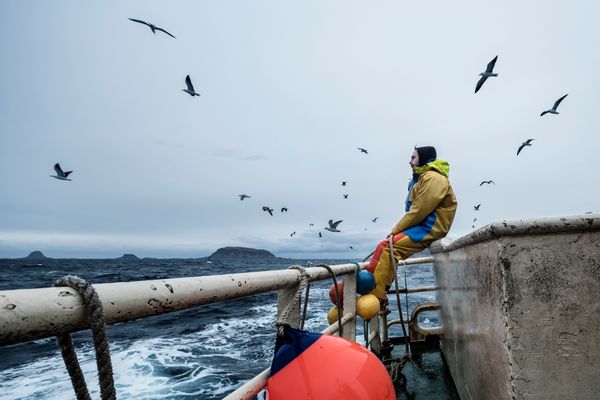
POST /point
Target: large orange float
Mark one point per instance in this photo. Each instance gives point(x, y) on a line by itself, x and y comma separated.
point(324, 367)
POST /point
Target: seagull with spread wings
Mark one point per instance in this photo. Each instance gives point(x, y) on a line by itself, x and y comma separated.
point(267, 209)
point(363, 150)
point(60, 174)
point(525, 143)
point(487, 182)
point(190, 88)
point(489, 72)
point(554, 107)
point(244, 196)
point(333, 226)
point(152, 27)
point(476, 208)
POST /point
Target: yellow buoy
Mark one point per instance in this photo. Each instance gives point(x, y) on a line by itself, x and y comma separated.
point(367, 306)
point(332, 315)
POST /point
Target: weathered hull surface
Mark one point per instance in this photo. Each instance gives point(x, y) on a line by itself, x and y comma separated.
point(521, 309)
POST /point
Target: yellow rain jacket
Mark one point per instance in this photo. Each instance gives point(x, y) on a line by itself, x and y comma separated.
point(430, 204)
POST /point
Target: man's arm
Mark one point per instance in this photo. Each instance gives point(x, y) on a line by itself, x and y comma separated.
point(431, 191)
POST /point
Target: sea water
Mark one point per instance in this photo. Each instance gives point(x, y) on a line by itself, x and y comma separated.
point(200, 353)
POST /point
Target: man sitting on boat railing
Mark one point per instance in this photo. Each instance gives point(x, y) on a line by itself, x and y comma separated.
point(430, 209)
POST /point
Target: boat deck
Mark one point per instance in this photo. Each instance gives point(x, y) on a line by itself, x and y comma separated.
point(427, 374)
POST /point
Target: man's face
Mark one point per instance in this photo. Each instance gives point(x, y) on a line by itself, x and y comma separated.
point(414, 159)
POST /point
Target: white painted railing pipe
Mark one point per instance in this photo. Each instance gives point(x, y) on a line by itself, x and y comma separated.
point(29, 314)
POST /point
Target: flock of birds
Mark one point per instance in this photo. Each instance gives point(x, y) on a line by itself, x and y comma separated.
point(332, 226)
point(489, 73)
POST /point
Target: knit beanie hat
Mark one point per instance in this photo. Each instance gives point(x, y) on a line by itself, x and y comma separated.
point(426, 154)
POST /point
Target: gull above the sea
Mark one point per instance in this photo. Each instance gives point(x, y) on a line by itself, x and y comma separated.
point(244, 196)
point(525, 143)
point(554, 107)
point(190, 88)
point(333, 226)
point(489, 72)
point(63, 176)
point(152, 27)
point(267, 209)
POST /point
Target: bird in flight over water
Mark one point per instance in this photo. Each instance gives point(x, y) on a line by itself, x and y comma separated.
point(63, 176)
point(333, 226)
point(190, 88)
point(320, 235)
point(477, 207)
point(363, 150)
point(489, 71)
point(488, 182)
point(244, 196)
point(351, 248)
point(311, 224)
point(374, 219)
point(283, 209)
point(554, 107)
point(292, 234)
point(344, 183)
point(267, 209)
point(153, 27)
point(345, 196)
point(525, 143)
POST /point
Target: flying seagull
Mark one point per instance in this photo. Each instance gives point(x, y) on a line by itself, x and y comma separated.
point(63, 176)
point(292, 234)
point(351, 248)
point(190, 88)
point(244, 196)
point(320, 235)
point(489, 71)
point(267, 209)
point(488, 182)
point(477, 207)
point(154, 28)
point(345, 196)
point(363, 150)
point(311, 224)
point(344, 183)
point(374, 219)
point(333, 226)
point(283, 209)
point(525, 143)
point(554, 107)
point(474, 219)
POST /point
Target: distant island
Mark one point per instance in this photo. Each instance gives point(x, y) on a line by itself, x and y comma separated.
point(128, 257)
point(231, 252)
point(35, 256)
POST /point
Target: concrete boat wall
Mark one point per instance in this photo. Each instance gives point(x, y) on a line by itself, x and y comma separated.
point(521, 309)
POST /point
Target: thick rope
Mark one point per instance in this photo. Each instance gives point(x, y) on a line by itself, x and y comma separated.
point(284, 317)
point(93, 307)
point(338, 300)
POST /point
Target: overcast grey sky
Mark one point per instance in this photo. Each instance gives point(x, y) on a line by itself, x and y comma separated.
point(289, 90)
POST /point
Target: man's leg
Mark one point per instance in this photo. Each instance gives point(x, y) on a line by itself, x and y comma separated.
point(380, 264)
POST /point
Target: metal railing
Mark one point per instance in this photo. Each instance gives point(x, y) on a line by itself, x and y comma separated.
point(30, 314)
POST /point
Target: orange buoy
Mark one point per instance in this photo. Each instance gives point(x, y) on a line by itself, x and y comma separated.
point(310, 366)
point(340, 286)
point(367, 306)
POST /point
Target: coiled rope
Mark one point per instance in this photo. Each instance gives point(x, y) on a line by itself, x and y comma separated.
point(284, 317)
point(96, 321)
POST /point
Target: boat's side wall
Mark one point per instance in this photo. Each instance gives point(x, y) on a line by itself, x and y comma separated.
point(472, 298)
point(553, 309)
point(521, 313)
